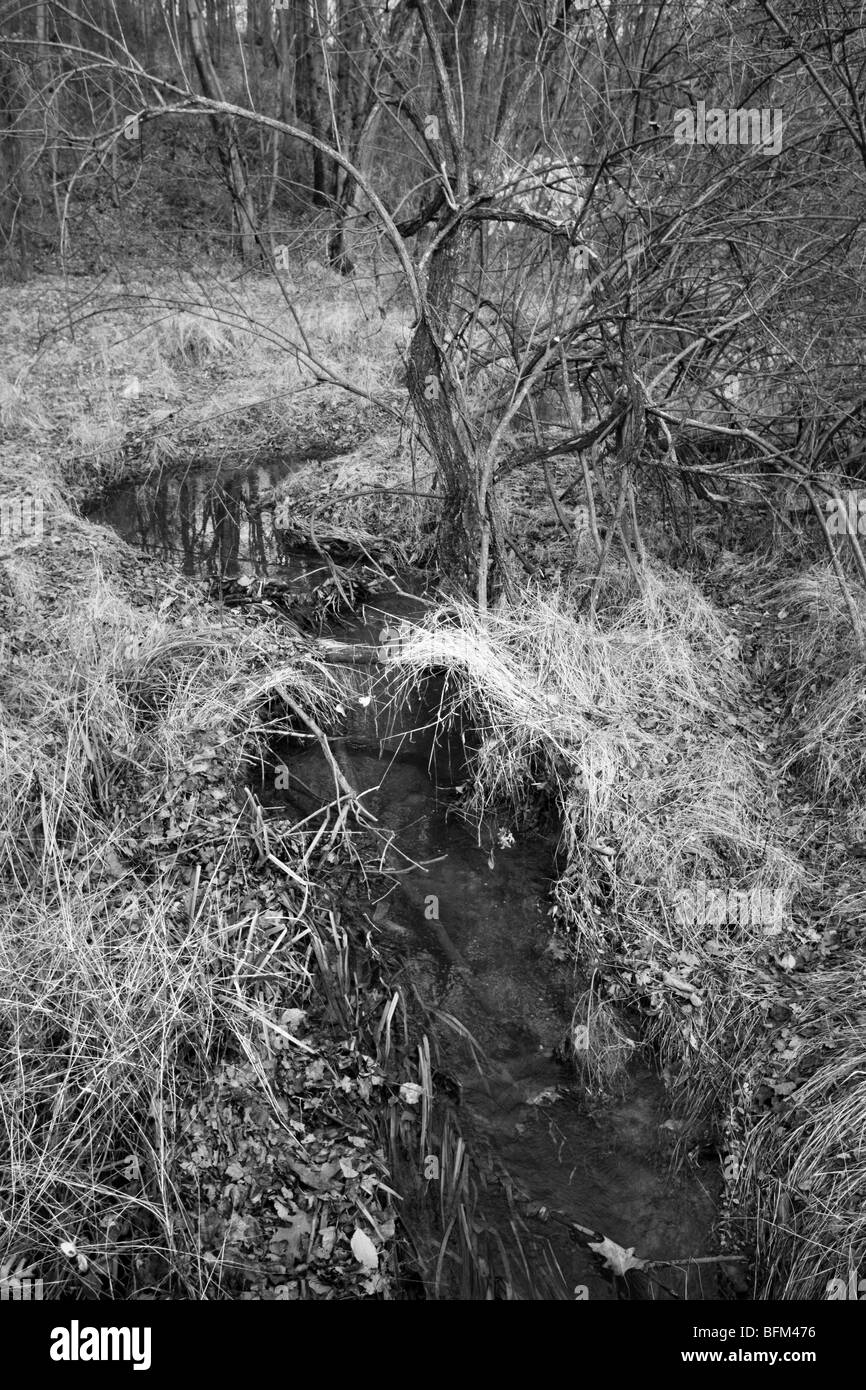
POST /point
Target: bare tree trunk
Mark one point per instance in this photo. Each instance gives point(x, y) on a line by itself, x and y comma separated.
point(434, 396)
point(229, 147)
point(49, 98)
point(284, 53)
point(145, 31)
point(355, 111)
point(312, 97)
point(14, 180)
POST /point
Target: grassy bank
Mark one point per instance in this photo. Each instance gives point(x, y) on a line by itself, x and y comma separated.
point(177, 1012)
point(111, 376)
point(203, 1055)
point(162, 977)
point(212, 1073)
point(672, 761)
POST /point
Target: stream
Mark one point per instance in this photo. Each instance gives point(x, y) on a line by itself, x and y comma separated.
point(469, 912)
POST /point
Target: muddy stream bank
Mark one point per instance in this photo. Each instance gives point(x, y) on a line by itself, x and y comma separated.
point(466, 910)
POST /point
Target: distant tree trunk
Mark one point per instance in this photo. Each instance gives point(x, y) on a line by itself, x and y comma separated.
point(145, 31)
point(355, 108)
point(284, 55)
point(49, 99)
point(257, 19)
point(14, 180)
point(215, 16)
point(312, 97)
point(114, 165)
point(227, 134)
point(338, 254)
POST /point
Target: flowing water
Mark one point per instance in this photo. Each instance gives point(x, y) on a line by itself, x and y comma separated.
point(469, 909)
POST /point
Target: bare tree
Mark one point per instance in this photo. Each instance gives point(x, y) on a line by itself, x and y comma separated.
point(585, 285)
point(237, 180)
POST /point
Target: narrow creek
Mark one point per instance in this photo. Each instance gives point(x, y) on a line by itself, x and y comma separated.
point(468, 910)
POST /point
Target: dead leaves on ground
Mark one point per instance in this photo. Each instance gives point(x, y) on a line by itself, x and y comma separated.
point(294, 1204)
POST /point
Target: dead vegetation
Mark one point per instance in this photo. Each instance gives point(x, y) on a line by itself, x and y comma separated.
point(147, 973)
point(635, 724)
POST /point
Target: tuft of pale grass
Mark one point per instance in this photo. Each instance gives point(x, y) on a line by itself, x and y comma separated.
point(831, 738)
point(99, 438)
point(192, 338)
point(100, 992)
point(21, 410)
point(822, 674)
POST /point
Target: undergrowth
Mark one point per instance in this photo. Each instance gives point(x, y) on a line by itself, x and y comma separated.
point(135, 951)
point(632, 722)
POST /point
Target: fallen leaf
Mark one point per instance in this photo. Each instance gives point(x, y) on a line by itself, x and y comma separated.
point(616, 1257)
point(292, 1019)
point(364, 1250)
point(294, 1236)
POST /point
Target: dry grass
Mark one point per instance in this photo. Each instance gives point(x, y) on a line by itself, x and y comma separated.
point(822, 677)
point(121, 970)
point(626, 719)
point(186, 339)
point(599, 1047)
point(624, 722)
point(21, 411)
point(175, 356)
point(811, 1172)
point(808, 1166)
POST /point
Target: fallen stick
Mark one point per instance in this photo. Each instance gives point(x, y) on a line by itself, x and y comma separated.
point(337, 772)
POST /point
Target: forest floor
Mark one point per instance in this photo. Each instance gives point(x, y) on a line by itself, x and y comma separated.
point(190, 1002)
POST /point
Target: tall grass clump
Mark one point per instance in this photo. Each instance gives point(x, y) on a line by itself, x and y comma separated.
point(193, 338)
point(823, 675)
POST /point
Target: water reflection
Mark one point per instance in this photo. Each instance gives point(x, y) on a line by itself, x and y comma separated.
point(207, 521)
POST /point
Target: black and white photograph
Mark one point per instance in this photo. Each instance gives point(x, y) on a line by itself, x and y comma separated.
point(432, 668)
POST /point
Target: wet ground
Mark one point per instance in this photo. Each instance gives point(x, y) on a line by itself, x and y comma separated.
point(469, 910)
point(470, 907)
